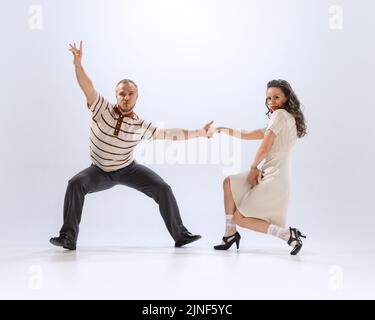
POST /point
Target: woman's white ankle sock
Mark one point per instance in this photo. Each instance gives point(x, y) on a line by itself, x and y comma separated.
point(230, 226)
point(281, 233)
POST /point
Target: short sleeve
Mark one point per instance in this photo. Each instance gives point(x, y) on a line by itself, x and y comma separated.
point(99, 105)
point(149, 130)
point(276, 122)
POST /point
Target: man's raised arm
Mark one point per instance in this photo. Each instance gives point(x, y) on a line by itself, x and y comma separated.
point(82, 78)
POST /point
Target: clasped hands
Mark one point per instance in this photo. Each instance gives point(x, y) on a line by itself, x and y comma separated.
point(208, 130)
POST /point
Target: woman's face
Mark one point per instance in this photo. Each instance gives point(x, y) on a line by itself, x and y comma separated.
point(275, 98)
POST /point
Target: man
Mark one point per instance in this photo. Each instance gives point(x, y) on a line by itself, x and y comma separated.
point(115, 132)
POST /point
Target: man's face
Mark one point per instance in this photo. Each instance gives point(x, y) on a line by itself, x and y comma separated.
point(126, 96)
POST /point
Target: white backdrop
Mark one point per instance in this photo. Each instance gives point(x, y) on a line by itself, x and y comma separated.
point(193, 61)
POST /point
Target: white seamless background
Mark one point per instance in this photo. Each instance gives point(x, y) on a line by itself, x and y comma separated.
point(193, 61)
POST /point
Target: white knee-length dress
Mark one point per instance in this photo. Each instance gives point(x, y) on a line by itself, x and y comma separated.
point(268, 200)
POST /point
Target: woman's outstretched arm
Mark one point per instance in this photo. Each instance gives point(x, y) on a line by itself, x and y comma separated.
point(256, 134)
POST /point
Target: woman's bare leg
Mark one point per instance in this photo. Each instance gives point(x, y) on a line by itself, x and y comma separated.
point(229, 205)
point(262, 226)
point(230, 208)
point(254, 224)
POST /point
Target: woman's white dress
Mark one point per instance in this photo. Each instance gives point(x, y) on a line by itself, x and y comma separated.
point(268, 200)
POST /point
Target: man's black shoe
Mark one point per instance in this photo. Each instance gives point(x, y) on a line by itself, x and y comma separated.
point(63, 242)
point(188, 238)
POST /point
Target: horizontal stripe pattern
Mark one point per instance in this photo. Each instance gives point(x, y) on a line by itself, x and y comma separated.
point(110, 151)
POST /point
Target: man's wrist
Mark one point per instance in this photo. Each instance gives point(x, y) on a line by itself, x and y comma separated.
point(199, 133)
point(253, 167)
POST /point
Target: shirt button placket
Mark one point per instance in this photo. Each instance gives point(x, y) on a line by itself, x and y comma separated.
point(118, 125)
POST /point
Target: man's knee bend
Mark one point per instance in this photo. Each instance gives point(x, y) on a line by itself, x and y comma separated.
point(77, 183)
point(161, 190)
point(164, 188)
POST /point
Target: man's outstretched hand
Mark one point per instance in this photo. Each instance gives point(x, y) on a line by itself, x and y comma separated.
point(206, 128)
point(77, 53)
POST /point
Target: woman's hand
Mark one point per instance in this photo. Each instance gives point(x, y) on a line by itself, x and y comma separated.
point(212, 130)
point(253, 176)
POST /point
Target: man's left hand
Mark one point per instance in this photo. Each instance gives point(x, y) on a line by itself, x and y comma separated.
point(206, 128)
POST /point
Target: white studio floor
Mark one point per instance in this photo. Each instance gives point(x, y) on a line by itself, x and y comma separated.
point(193, 272)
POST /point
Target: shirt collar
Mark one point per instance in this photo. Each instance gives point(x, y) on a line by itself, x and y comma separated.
point(132, 115)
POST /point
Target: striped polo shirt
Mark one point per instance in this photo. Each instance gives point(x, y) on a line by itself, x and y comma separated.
point(113, 136)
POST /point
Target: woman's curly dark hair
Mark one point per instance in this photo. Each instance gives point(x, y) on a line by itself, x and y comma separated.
point(292, 104)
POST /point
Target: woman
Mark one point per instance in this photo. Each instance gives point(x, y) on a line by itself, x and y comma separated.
point(258, 200)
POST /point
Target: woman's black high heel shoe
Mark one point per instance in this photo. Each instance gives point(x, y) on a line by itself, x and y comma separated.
point(295, 235)
point(228, 241)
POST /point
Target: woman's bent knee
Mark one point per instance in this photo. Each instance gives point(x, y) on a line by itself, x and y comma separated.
point(238, 218)
point(226, 183)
